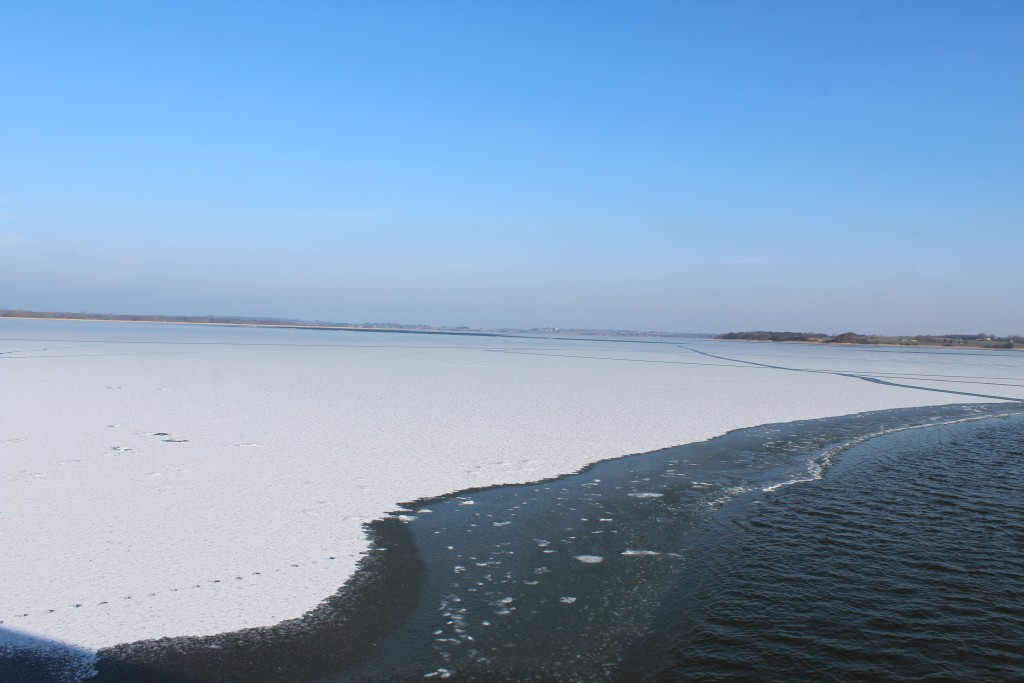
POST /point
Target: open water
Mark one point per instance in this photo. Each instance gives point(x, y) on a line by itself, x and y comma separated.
point(879, 546)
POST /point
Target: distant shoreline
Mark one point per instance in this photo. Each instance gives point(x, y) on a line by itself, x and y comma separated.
point(287, 326)
point(1011, 343)
point(907, 345)
point(227, 321)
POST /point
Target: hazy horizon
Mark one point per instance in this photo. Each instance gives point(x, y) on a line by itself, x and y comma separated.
point(443, 326)
point(698, 166)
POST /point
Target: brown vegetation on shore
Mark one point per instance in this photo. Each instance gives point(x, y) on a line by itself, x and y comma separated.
point(980, 340)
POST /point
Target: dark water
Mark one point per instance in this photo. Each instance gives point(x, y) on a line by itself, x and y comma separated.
point(703, 562)
point(905, 563)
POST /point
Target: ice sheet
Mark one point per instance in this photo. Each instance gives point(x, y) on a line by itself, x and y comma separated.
point(166, 480)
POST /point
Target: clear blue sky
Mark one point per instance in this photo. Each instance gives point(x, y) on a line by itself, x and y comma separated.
point(689, 166)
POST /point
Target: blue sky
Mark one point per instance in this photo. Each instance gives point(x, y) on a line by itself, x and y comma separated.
point(688, 166)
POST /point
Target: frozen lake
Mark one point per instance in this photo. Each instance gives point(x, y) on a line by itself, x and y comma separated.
point(167, 480)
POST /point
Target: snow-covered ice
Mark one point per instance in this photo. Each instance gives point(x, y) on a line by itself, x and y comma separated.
point(164, 480)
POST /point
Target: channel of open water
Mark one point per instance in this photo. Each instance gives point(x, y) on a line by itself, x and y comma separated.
point(884, 545)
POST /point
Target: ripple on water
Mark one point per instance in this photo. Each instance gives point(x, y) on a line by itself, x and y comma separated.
point(906, 562)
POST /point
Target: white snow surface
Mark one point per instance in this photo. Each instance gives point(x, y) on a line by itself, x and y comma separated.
point(168, 480)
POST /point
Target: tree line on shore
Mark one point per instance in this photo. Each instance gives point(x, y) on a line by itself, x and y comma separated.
point(765, 335)
point(980, 339)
